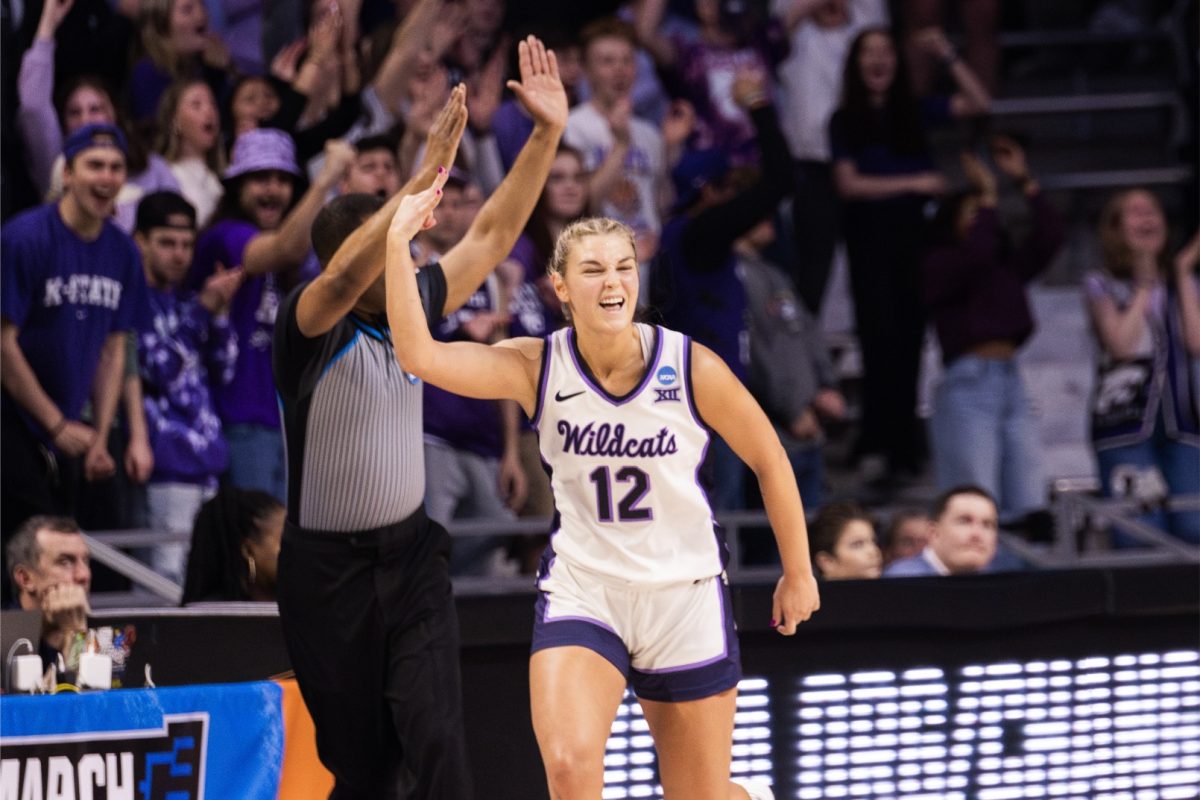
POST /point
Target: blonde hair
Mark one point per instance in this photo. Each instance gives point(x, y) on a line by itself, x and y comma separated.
point(168, 135)
point(1118, 257)
point(154, 24)
point(588, 226)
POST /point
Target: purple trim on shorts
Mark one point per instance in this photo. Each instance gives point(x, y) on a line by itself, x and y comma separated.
point(543, 379)
point(700, 680)
point(585, 632)
point(585, 374)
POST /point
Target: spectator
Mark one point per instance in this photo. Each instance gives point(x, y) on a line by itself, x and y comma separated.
point(885, 173)
point(962, 538)
point(257, 227)
point(235, 548)
point(907, 534)
point(981, 46)
point(253, 101)
point(187, 345)
point(85, 100)
point(49, 563)
point(810, 84)
point(472, 457)
point(178, 45)
point(72, 287)
point(842, 540)
point(374, 170)
point(733, 39)
point(623, 154)
point(535, 311)
point(791, 373)
point(695, 281)
point(973, 284)
point(1145, 312)
point(189, 130)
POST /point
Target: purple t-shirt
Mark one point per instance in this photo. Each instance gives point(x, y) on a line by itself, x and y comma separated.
point(530, 317)
point(249, 399)
point(66, 295)
point(464, 423)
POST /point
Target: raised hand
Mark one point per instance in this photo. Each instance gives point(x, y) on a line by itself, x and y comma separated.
point(339, 156)
point(540, 89)
point(618, 118)
point(978, 175)
point(220, 288)
point(447, 128)
point(53, 13)
point(933, 41)
point(1009, 158)
point(415, 212)
point(286, 63)
point(487, 87)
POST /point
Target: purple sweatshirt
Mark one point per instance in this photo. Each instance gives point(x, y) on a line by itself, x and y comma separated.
point(975, 289)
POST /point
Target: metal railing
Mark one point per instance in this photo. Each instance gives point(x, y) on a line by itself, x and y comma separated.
point(1077, 513)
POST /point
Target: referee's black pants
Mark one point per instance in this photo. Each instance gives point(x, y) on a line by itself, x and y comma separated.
point(370, 627)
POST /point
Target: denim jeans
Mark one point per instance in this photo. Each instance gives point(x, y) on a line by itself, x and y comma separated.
point(256, 459)
point(983, 432)
point(172, 508)
point(1176, 462)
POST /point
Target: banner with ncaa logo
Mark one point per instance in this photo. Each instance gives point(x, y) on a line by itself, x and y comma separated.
point(178, 743)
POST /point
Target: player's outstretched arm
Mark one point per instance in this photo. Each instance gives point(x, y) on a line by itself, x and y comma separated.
point(735, 415)
point(472, 369)
point(358, 263)
point(502, 218)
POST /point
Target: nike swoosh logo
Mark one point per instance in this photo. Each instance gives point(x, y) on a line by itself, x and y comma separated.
point(559, 396)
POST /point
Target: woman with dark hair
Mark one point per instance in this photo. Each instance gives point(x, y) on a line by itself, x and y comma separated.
point(1145, 312)
point(885, 173)
point(973, 284)
point(843, 545)
point(235, 547)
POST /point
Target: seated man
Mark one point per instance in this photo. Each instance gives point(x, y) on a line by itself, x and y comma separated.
point(50, 566)
point(963, 537)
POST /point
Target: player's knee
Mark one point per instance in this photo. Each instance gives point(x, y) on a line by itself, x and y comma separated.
point(572, 765)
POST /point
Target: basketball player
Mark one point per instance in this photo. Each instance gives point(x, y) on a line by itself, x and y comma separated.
point(631, 585)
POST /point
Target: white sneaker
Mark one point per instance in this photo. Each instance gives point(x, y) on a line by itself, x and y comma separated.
point(756, 789)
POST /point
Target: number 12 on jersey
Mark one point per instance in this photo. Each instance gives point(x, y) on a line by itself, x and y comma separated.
point(628, 509)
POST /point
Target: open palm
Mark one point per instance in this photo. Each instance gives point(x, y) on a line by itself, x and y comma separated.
point(540, 89)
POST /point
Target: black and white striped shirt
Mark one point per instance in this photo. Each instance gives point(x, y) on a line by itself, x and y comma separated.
point(351, 419)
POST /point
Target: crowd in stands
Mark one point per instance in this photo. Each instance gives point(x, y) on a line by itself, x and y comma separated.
point(173, 154)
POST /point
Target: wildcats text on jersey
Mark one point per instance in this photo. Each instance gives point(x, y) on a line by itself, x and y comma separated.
point(610, 440)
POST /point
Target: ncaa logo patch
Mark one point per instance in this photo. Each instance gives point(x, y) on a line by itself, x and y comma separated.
point(667, 376)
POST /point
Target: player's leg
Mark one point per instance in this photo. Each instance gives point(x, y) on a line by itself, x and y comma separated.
point(694, 740)
point(574, 696)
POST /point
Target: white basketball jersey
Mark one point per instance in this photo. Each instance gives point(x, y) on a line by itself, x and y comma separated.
point(625, 470)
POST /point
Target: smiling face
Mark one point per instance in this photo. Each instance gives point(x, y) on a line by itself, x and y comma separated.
point(85, 106)
point(965, 534)
point(91, 181)
point(196, 119)
point(600, 282)
point(265, 196)
point(1142, 225)
point(877, 62)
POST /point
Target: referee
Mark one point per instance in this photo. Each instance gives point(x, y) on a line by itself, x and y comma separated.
point(364, 591)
